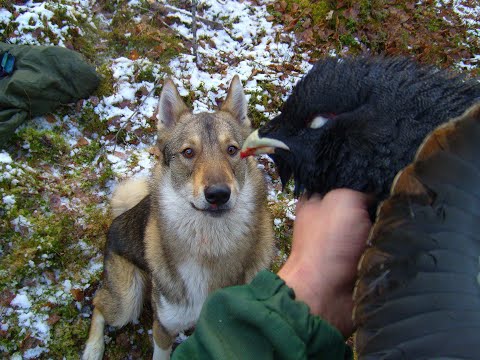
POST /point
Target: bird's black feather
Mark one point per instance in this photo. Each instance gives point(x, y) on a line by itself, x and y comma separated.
point(379, 111)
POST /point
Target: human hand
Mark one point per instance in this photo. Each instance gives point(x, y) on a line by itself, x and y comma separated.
point(329, 237)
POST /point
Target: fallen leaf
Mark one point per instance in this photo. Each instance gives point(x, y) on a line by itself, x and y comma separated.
point(134, 55)
point(82, 142)
point(53, 319)
point(55, 202)
point(29, 342)
point(6, 297)
point(352, 13)
point(77, 294)
point(254, 72)
point(121, 155)
point(307, 23)
point(123, 341)
point(50, 118)
point(307, 37)
point(288, 18)
point(143, 91)
point(124, 104)
point(94, 100)
point(79, 105)
point(114, 120)
point(50, 276)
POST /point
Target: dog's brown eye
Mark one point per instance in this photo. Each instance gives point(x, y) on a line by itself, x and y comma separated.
point(232, 150)
point(188, 153)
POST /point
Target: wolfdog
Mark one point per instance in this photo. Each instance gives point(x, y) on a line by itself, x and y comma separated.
point(199, 223)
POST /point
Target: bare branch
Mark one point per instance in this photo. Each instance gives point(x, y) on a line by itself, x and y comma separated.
point(194, 31)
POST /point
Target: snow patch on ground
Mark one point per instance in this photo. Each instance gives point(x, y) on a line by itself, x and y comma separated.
point(5, 158)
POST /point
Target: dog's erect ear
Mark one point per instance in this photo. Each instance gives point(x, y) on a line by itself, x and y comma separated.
point(170, 106)
point(236, 102)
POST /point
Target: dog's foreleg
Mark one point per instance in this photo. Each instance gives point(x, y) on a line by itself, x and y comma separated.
point(159, 353)
point(162, 342)
point(95, 344)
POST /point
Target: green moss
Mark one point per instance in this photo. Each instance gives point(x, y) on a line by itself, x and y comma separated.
point(283, 233)
point(121, 136)
point(85, 44)
point(108, 5)
point(133, 160)
point(107, 172)
point(68, 335)
point(348, 40)
point(52, 232)
point(434, 24)
point(145, 74)
point(318, 9)
point(45, 144)
point(7, 29)
point(105, 88)
point(48, 238)
point(257, 118)
point(7, 4)
point(351, 25)
point(269, 96)
point(87, 154)
point(59, 15)
point(9, 340)
point(148, 39)
point(91, 122)
point(189, 99)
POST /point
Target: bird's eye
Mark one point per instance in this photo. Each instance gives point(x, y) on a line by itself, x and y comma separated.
point(232, 150)
point(188, 153)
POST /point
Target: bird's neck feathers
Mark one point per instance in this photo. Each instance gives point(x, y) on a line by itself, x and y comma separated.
point(312, 159)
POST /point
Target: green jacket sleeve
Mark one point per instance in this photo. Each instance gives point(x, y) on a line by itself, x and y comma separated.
point(261, 320)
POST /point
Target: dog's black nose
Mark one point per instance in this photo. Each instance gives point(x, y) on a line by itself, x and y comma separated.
point(217, 194)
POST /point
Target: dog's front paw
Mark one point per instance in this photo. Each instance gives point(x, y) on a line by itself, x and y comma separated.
point(94, 350)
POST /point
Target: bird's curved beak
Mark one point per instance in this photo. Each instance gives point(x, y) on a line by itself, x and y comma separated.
point(255, 145)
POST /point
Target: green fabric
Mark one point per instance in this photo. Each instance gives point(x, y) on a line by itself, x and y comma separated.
point(44, 78)
point(261, 320)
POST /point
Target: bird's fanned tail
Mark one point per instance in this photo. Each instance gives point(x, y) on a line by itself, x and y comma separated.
point(418, 292)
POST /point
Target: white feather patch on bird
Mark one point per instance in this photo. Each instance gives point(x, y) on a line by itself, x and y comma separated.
point(318, 122)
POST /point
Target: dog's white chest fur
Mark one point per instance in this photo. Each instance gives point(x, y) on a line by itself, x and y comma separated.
point(199, 235)
point(178, 317)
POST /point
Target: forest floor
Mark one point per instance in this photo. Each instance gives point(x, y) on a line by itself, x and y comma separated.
point(58, 170)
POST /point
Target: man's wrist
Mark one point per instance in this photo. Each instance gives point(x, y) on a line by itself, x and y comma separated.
point(295, 278)
point(313, 289)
